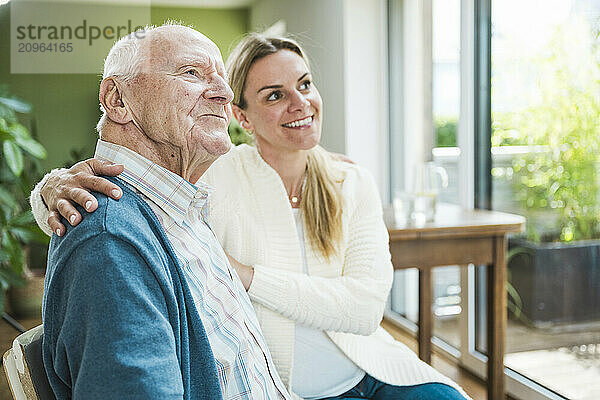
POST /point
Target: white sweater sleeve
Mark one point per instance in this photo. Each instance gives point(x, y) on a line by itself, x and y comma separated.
point(353, 302)
point(40, 212)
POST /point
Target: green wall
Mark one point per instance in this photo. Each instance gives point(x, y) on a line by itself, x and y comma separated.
point(224, 27)
point(66, 105)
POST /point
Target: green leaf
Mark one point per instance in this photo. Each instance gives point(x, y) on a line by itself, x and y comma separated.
point(3, 125)
point(14, 251)
point(7, 113)
point(5, 130)
point(24, 228)
point(7, 198)
point(16, 104)
point(14, 157)
point(19, 131)
point(23, 220)
point(25, 234)
point(33, 147)
point(23, 138)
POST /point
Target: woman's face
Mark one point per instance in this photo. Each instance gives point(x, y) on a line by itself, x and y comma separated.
point(283, 107)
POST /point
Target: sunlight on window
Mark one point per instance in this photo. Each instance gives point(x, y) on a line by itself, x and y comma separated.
point(546, 141)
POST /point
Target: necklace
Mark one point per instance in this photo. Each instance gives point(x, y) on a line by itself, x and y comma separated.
point(296, 198)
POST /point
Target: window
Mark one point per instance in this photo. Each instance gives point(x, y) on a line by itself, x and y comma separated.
point(545, 166)
point(543, 131)
point(443, 18)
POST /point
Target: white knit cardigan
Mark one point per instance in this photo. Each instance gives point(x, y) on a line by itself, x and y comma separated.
point(345, 296)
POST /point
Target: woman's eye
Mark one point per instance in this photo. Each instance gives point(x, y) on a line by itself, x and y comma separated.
point(274, 96)
point(305, 85)
point(191, 72)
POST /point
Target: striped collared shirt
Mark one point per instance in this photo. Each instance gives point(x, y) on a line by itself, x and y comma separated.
point(243, 361)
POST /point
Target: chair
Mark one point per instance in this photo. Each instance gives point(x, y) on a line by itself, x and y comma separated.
point(24, 367)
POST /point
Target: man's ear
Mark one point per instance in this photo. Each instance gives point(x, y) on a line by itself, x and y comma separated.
point(111, 99)
point(240, 115)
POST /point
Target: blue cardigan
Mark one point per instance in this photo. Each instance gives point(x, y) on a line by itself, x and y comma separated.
point(119, 318)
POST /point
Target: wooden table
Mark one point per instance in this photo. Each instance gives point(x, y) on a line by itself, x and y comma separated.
point(460, 237)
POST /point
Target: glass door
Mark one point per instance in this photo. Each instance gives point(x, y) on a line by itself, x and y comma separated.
point(545, 101)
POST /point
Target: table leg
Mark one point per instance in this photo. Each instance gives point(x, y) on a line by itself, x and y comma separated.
point(425, 317)
point(496, 320)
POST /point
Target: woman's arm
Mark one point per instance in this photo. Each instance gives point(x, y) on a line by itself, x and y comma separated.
point(353, 302)
point(55, 195)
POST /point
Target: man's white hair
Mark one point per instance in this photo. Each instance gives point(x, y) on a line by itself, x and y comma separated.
point(124, 59)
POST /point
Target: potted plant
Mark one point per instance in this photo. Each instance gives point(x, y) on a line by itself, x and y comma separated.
point(19, 169)
point(555, 268)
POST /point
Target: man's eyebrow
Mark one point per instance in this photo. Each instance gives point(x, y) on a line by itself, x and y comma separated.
point(200, 61)
point(280, 86)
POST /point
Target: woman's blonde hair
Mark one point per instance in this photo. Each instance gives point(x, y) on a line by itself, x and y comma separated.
point(321, 197)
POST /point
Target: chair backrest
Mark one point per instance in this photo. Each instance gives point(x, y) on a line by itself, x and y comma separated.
point(24, 367)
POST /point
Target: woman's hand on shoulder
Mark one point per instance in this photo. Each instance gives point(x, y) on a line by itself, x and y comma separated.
point(65, 188)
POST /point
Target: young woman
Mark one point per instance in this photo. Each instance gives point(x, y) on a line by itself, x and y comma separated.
point(304, 232)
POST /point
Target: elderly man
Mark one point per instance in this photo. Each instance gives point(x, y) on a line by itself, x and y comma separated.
point(140, 300)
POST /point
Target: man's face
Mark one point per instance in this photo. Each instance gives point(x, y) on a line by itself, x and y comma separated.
point(181, 98)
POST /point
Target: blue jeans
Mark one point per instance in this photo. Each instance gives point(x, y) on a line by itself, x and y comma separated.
point(371, 388)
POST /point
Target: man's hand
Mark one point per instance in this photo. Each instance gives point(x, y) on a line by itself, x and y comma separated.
point(245, 272)
point(63, 188)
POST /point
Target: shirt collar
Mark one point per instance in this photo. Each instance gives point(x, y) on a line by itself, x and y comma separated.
point(172, 193)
